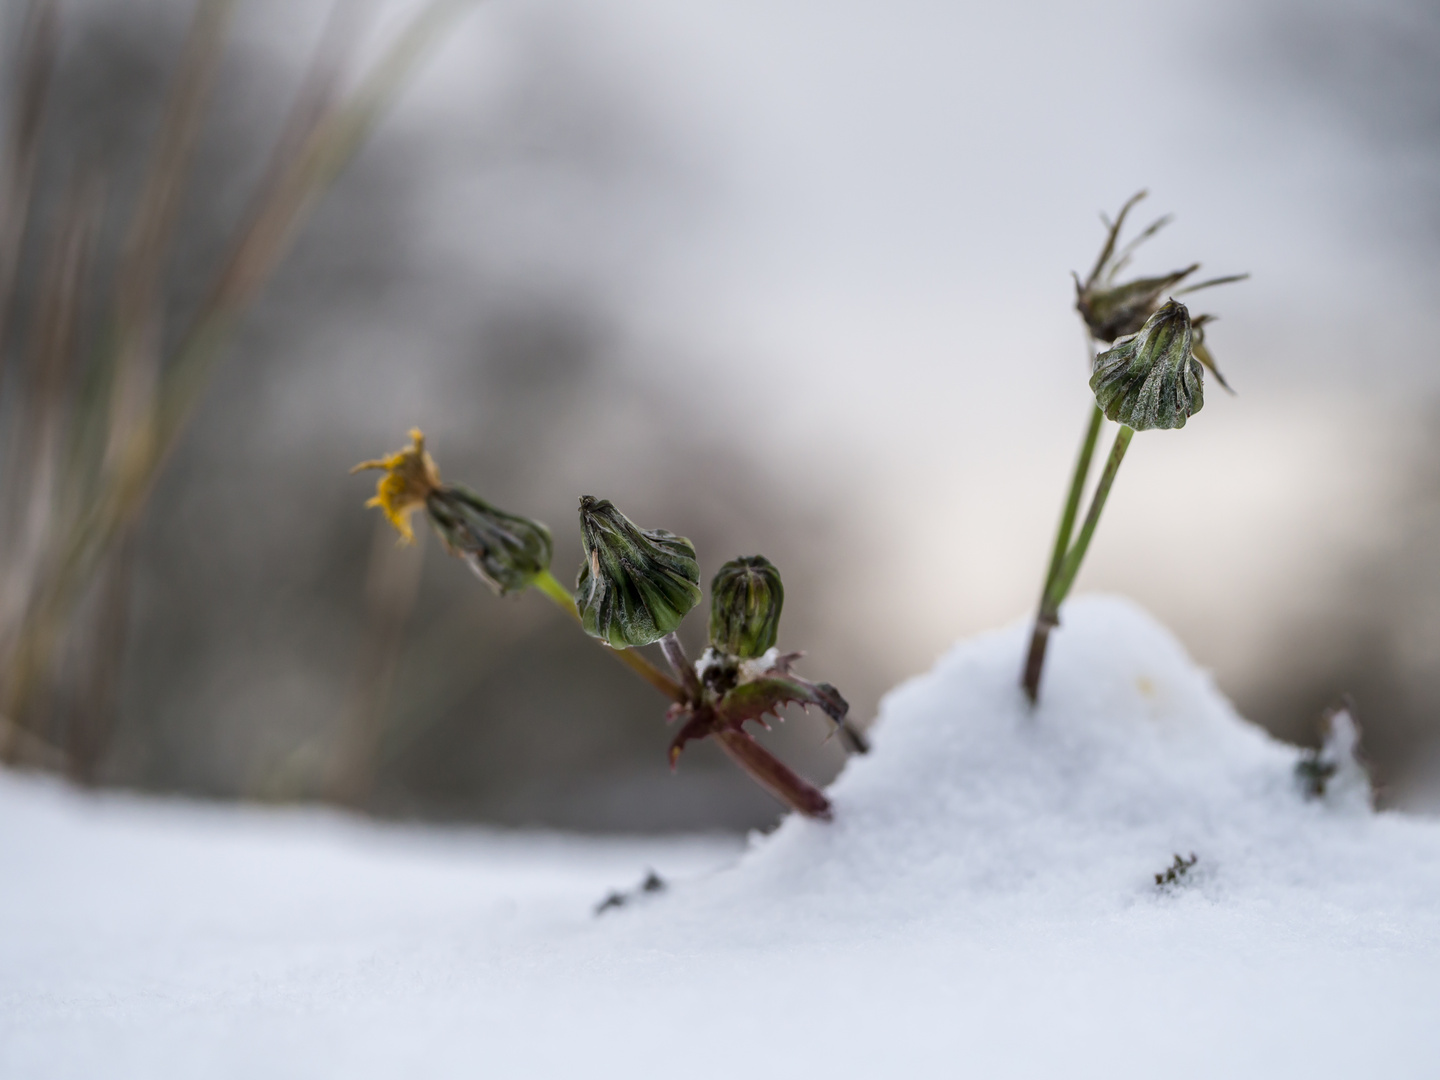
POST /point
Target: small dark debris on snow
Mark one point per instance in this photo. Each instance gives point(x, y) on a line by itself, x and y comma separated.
point(653, 883)
point(1177, 870)
point(1314, 773)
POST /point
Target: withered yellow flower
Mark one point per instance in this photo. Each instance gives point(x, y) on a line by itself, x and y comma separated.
point(410, 477)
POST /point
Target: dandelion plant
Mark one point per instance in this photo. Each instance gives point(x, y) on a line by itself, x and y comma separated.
point(634, 588)
point(1151, 377)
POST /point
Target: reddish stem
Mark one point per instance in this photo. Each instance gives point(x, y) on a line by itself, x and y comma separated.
point(1035, 659)
point(774, 775)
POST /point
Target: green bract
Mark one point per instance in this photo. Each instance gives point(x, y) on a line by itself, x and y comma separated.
point(1151, 379)
point(507, 551)
point(745, 601)
point(635, 585)
point(1202, 351)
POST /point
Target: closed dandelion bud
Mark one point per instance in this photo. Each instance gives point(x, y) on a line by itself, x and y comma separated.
point(505, 550)
point(636, 585)
point(745, 601)
point(1151, 379)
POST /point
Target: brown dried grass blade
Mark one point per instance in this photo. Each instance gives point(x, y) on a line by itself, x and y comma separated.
point(30, 572)
point(138, 300)
point(336, 135)
point(39, 44)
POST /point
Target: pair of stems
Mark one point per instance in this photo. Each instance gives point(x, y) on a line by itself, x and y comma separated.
point(763, 767)
point(1069, 550)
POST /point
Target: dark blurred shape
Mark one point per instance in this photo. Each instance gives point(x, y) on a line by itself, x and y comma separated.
point(1370, 67)
point(1379, 640)
point(1370, 70)
point(99, 402)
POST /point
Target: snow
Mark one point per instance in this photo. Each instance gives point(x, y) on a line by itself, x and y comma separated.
point(984, 904)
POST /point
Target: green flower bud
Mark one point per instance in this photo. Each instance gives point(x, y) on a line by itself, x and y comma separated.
point(1151, 379)
point(506, 551)
point(745, 601)
point(635, 585)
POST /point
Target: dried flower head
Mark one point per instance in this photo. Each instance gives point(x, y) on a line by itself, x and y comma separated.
point(410, 477)
point(635, 585)
point(746, 596)
point(1112, 311)
point(1151, 379)
point(507, 551)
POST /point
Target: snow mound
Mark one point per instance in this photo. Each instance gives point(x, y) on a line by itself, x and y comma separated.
point(971, 798)
point(985, 904)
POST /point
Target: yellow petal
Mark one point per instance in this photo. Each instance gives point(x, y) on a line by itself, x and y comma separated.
point(410, 477)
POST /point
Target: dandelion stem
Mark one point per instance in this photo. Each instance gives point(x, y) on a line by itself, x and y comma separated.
point(1062, 577)
point(1045, 619)
point(774, 775)
point(1061, 587)
point(547, 584)
point(1072, 502)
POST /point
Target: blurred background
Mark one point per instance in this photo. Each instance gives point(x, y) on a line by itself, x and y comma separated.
point(789, 278)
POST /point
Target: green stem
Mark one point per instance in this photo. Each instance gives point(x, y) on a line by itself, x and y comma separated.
point(1063, 570)
point(1045, 618)
point(547, 584)
point(1076, 555)
point(1072, 501)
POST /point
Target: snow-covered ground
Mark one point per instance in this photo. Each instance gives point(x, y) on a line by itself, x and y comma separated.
point(984, 905)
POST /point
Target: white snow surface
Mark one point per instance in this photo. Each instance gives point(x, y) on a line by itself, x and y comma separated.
point(984, 905)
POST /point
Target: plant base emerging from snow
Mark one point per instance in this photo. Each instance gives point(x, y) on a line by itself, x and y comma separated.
point(1151, 377)
point(1335, 766)
point(729, 692)
point(634, 588)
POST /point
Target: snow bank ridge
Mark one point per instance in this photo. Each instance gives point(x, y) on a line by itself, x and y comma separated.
point(1132, 757)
